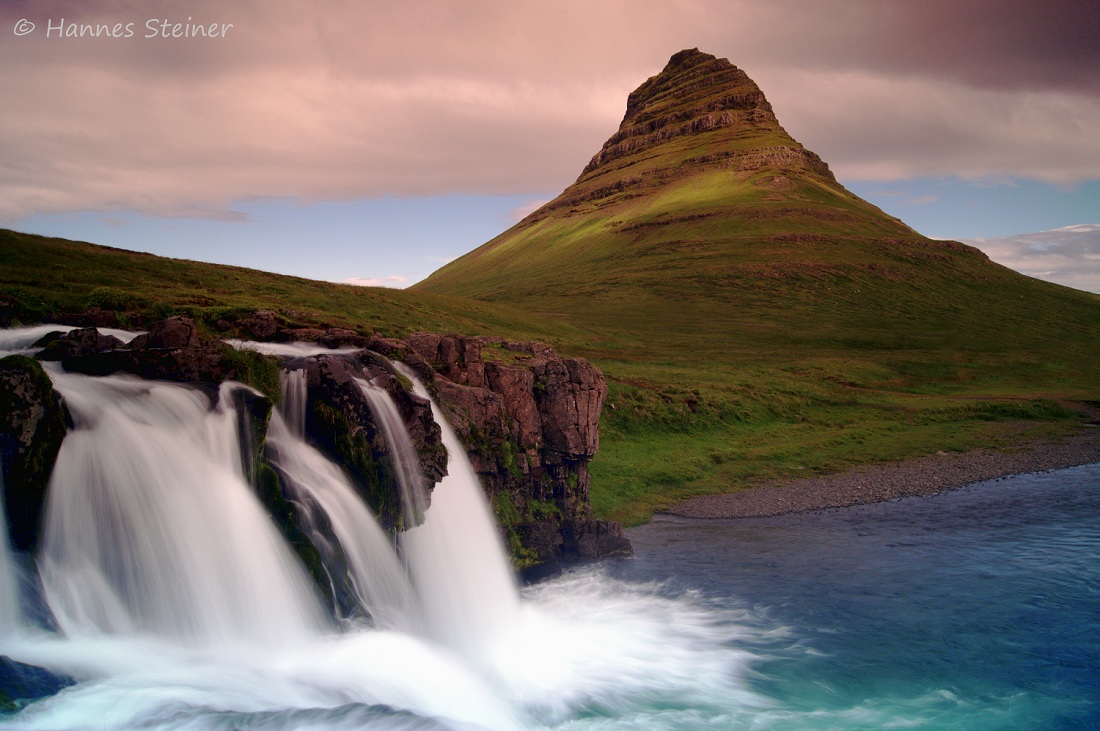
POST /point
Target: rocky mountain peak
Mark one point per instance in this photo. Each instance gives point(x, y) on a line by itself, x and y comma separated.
point(689, 82)
point(698, 102)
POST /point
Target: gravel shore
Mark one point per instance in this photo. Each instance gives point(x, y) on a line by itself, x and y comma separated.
point(877, 483)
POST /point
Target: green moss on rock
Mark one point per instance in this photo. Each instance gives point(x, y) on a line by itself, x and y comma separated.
point(32, 426)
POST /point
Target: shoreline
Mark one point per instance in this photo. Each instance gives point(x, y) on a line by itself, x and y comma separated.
point(916, 477)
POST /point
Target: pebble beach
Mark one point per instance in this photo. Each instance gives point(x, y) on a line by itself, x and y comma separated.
point(920, 476)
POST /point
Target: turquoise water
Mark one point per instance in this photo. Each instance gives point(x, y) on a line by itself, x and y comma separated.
point(976, 609)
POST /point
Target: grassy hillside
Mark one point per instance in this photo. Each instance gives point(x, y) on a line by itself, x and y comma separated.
point(42, 279)
point(757, 319)
point(753, 317)
point(699, 403)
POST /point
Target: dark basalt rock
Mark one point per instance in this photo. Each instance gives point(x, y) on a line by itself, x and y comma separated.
point(260, 325)
point(340, 421)
point(21, 683)
point(172, 350)
point(174, 332)
point(267, 326)
point(84, 341)
point(530, 428)
point(33, 423)
point(591, 539)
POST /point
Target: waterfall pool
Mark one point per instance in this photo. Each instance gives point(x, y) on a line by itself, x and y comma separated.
point(181, 607)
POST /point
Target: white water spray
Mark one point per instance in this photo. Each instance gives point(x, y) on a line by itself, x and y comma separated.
point(151, 528)
point(456, 558)
point(9, 587)
point(380, 582)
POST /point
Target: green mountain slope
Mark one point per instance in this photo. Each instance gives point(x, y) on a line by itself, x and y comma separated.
point(700, 179)
point(702, 228)
point(46, 279)
point(754, 318)
point(751, 311)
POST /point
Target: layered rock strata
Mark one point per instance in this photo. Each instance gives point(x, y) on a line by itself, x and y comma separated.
point(528, 418)
point(530, 422)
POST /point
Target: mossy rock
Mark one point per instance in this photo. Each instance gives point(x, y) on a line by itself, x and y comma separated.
point(33, 422)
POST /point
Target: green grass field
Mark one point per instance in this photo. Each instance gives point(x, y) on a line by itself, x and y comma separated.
point(754, 318)
point(704, 397)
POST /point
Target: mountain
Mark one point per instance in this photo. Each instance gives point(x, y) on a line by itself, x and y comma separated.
point(754, 318)
point(701, 216)
point(700, 183)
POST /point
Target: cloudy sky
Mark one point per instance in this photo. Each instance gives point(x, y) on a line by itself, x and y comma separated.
point(373, 141)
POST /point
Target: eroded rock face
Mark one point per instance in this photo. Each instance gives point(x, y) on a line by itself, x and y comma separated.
point(260, 325)
point(530, 426)
point(32, 426)
point(340, 421)
point(570, 394)
point(172, 351)
point(83, 341)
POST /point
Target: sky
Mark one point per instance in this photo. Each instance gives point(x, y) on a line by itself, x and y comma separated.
point(371, 142)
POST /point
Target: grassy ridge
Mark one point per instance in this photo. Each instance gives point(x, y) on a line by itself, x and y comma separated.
point(705, 396)
point(756, 319)
point(45, 277)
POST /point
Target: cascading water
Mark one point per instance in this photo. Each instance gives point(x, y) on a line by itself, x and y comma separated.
point(151, 528)
point(294, 386)
point(182, 607)
point(380, 583)
point(455, 557)
point(410, 479)
point(9, 587)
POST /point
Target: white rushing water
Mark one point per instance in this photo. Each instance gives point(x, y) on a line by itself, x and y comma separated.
point(294, 386)
point(288, 350)
point(151, 528)
point(180, 606)
point(410, 478)
point(9, 587)
point(22, 340)
point(457, 563)
point(380, 582)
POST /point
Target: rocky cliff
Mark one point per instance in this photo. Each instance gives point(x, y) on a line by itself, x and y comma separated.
point(32, 425)
point(528, 418)
point(530, 422)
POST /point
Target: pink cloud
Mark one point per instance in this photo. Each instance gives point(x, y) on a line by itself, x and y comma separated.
point(340, 101)
point(521, 212)
point(394, 281)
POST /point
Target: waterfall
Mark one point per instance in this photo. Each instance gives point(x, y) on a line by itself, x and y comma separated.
point(151, 527)
point(410, 478)
point(379, 580)
point(180, 605)
point(294, 387)
point(456, 559)
point(9, 586)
